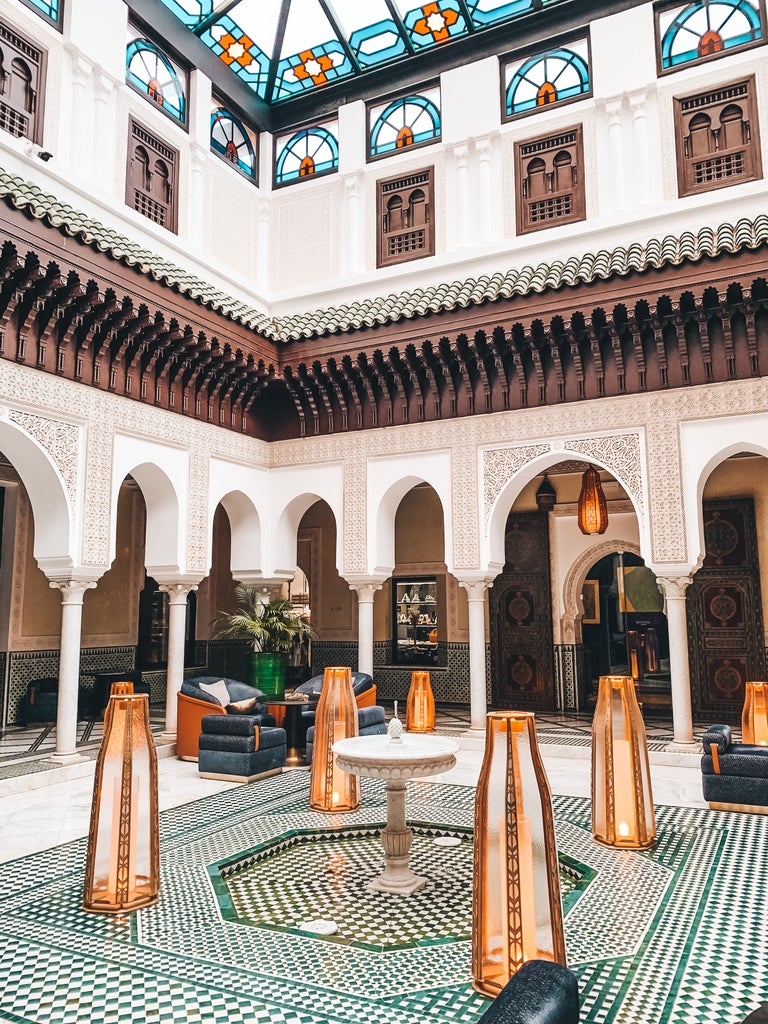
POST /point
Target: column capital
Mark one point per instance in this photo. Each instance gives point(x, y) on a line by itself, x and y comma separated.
point(483, 149)
point(475, 585)
point(613, 109)
point(81, 66)
point(365, 586)
point(72, 590)
point(461, 154)
point(637, 102)
point(178, 590)
point(199, 155)
point(674, 587)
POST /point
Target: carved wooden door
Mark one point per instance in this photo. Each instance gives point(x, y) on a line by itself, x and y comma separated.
point(725, 619)
point(521, 618)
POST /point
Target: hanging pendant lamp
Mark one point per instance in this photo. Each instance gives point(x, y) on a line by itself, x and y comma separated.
point(592, 511)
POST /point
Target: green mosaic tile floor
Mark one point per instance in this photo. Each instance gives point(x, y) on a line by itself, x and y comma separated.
point(675, 934)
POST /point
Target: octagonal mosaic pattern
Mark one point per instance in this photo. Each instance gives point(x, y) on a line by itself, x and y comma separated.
point(309, 875)
point(674, 935)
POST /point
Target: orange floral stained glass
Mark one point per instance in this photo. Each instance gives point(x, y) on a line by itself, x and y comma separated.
point(313, 67)
point(436, 22)
point(404, 137)
point(306, 167)
point(236, 50)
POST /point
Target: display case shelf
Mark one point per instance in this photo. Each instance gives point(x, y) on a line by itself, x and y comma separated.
point(415, 620)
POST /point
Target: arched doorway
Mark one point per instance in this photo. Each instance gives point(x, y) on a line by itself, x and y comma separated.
point(624, 628)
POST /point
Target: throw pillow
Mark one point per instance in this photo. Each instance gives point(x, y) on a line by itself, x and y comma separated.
point(244, 707)
point(217, 690)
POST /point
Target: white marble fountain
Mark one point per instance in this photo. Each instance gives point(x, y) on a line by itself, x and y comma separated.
point(396, 758)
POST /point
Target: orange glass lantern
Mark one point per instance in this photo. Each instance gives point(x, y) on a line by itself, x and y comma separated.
point(754, 717)
point(122, 869)
point(420, 709)
point(330, 788)
point(622, 801)
point(517, 914)
point(592, 509)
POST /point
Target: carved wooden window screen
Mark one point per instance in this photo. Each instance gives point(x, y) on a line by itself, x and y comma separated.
point(717, 138)
point(152, 177)
point(550, 180)
point(22, 85)
point(405, 213)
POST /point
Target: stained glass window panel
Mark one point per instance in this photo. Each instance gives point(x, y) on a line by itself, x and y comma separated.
point(553, 77)
point(191, 12)
point(405, 122)
point(312, 55)
point(153, 74)
point(692, 31)
point(487, 12)
point(305, 154)
point(430, 24)
point(373, 35)
point(232, 140)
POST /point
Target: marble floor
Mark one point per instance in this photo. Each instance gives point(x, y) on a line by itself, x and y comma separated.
point(673, 935)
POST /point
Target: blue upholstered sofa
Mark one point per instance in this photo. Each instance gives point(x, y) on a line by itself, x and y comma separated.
point(734, 776)
point(194, 703)
point(239, 748)
point(540, 993)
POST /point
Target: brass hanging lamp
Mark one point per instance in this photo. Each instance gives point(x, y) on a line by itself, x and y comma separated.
point(592, 509)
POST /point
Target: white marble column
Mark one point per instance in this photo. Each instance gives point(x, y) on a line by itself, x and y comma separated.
point(80, 159)
point(177, 634)
point(104, 141)
point(613, 110)
point(365, 590)
point(639, 107)
point(478, 703)
point(197, 205)
point(484, 218)
point(461, 156)
point(72, 592)
point(674, 588)
point(352, 240)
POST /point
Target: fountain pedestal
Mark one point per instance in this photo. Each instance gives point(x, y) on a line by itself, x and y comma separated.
point(396, 759)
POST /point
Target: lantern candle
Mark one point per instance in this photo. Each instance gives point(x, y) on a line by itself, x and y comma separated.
point(331, 788)
point(420, 709)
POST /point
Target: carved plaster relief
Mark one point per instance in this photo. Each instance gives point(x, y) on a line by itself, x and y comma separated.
point(59, 439)
point(500, 465)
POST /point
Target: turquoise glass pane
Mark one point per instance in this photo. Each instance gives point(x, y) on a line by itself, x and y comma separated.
point(306, 154)
point(152, 73)
point(377, 44)
point(238, 51)
point(230, 139)
point(433, 23)
point(311, 69)
point(487, 12)
point(191, 12)
point(547, 78)
point(709, 27)
point(416, 117)
point(51, 9)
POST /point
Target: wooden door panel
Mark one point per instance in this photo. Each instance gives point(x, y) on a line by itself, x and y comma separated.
point(521, 618)
point(725, 622)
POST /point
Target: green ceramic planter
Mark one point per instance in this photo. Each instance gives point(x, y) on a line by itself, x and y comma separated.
point(267, 673)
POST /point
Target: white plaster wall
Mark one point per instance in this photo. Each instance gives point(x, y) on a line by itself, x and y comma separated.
point(704, 444)
point(245, 492)
point(313, 244)
point(162, 472)
point(290, 495)
point(389, 480)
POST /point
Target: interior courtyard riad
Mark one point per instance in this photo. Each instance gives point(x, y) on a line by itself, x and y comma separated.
point(448, 323)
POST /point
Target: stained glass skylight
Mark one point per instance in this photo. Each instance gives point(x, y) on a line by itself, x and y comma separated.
point(287, 48)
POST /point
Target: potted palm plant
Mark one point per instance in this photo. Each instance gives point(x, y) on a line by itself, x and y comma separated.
point(272, 628)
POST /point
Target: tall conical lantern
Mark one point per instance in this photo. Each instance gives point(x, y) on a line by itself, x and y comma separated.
point(516, 909)
point(592, 508)
point(123, 859)
point(330, 788)
point(754, 717)
point(420, 709)
point(622, 801)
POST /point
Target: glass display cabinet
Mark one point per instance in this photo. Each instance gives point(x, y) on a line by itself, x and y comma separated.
point(414, 620)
